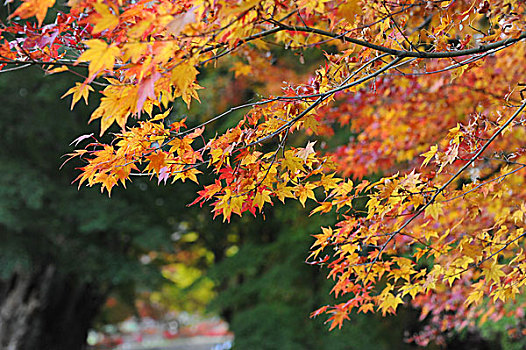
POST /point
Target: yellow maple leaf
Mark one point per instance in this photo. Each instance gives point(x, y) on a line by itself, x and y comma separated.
point(411, 289)
point(189, 174)
point(138, 29)
point(434, 210)
point(455, 135)
point(458, 72)
point(183, 77)
point(323, 238)
point(105, 20)
point(292, 162)
point(518, 215)
point(54, 70)
point(475, 296)
point(324, 207)
point(101, 56)
point(78, 91)
point(385, 25)
point(429, 155)
point(310, 122)
point(243, 6)
point(134, 51)
point(304, 192)
point(390, 303)
point(161, 116)
point(107, 181)
point(329, 182)
point(261, 198)
point(236, 203)
point(37, 8)
point(282, 192)
point(494, 272)
point(116, 105)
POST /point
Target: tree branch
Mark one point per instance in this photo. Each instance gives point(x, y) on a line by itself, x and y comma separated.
point(403, 53)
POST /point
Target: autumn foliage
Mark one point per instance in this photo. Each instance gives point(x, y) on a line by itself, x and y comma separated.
point(427, 93)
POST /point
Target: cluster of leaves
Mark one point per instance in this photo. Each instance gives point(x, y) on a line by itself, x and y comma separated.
point(429, 92)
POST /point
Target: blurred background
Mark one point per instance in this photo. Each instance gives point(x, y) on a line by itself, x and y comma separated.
point(142, 270)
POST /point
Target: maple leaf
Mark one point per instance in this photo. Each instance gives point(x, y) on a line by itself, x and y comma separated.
point(304, 153)
point(323, 208)
point(31, 8)
point(322, 240)
point(493, 272)
point(78, 91)
point(475, 296)
point(107, 182)
point(100, 55)
point(434, 210)
point(183, 76)
point(304, 192)
point(292, 162)
point(349, 10)
point(390, 303)
point(339, 314)
point(162, 116)
point(229, 203)
point(164, 174)
point(311, 122)
point(106, 19)
point(158, 161)
point(365, 308)
point(146, 90)
point(429, 155)
point(319, 311)
point(261, 198)
point(329, 182)
point(282, 191)
point(60, 69)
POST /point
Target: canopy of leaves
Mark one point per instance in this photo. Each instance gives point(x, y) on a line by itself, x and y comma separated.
point(429, 93)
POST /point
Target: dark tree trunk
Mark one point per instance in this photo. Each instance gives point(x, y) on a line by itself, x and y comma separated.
point(47, 311)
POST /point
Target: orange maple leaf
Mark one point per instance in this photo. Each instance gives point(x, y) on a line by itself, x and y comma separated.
point(157, 161)
point(339, 314)
point(78, 91)
point(31, 8)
